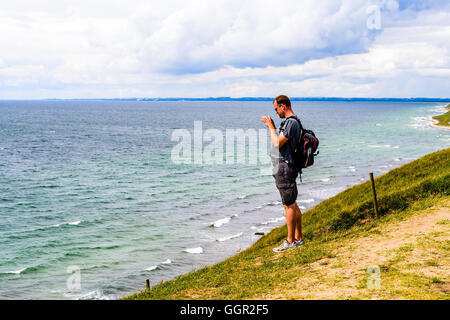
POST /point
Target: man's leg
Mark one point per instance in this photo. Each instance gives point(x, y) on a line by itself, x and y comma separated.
point(291, 221)
point(298, 226)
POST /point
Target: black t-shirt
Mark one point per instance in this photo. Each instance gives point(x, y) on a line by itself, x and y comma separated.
point(291, 130)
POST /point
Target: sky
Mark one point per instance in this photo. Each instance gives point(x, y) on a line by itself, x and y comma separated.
point(195, 49)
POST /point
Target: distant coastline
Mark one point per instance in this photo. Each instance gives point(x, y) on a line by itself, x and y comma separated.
point(418, 99)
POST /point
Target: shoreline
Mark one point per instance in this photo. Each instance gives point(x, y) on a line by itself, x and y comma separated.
point(434, 122)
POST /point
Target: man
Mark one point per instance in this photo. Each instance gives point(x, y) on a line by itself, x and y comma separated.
point(285, 173)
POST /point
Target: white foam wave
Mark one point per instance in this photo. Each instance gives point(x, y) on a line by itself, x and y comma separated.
point(302, 207)
point(306, 201)
point(273, 220)
point(374, 146)
point(16, 271)
point(221, 222)
point(419, 122)
point(439, 109)
point(92, 295)
point(230, 237)
point(168, 261)
point(196, 250)
point(325, 180)
point(74, 223)
point(151, 268)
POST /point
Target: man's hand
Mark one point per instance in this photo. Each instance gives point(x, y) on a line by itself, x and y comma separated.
point(277, 140)
point(268, 121)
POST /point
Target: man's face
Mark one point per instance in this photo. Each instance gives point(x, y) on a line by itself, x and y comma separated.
point(279, 109)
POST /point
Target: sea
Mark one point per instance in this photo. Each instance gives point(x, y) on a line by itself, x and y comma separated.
point(94, 198)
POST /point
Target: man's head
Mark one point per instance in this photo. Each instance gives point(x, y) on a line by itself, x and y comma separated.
point(281, 105)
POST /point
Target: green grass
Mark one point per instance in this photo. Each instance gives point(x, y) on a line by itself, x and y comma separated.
point(258, 272)
point(444, 119)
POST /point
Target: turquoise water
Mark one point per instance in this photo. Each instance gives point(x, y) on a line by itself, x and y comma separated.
point(90, 185)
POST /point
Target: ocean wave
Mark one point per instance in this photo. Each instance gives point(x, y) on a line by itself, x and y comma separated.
point(306, 201)
point(375, 146)
point(151, 268)
point(275, 220)
point(91, 295)
point(15, 271)
point(64, 224)
point(267, 204)
point(273, 203)
point(419, 122)
point(221, 222)
point(25, 270)
point(439, 109)
point(196, 250)
point(155, 267)
point(230, 237)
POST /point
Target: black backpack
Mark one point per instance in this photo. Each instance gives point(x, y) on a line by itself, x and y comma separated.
point(306, 149)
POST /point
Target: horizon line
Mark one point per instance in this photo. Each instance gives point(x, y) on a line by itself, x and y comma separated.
point(417, 99)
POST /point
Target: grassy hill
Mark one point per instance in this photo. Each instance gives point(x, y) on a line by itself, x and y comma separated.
point(343, 239)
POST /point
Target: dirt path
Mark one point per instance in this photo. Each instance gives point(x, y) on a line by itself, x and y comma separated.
point(408, 260)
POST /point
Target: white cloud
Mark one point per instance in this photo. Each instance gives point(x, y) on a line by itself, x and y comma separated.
point(222, 48)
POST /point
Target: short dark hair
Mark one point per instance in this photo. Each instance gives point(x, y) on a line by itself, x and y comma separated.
point(282, 99)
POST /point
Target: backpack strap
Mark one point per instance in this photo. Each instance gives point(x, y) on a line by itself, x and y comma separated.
point(299, 138)
point(300, 124)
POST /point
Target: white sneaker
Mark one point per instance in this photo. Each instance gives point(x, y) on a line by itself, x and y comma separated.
point(298, 243)
point(284, 246)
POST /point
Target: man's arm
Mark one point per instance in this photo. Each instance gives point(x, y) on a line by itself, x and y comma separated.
point(278, 141)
